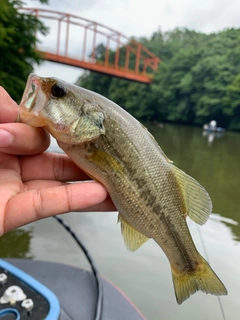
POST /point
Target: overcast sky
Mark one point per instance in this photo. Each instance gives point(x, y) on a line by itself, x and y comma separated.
point(143, 17)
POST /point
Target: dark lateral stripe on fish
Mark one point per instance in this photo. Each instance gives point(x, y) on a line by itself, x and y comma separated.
point(190, 264)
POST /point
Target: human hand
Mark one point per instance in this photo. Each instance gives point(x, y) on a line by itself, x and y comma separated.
point(33, 184)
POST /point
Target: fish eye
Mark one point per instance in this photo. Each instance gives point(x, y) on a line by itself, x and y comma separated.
point(59, 90)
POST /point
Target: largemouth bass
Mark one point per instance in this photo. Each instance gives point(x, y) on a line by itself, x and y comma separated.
point(153, 196)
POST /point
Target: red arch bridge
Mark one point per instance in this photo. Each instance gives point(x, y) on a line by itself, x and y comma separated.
point(75, 41)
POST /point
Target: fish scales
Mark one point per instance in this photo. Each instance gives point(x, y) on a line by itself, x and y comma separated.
point(153, 197)
point(141, 197)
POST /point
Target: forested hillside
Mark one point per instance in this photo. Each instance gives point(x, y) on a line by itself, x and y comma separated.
point(197, 81)
point(17, 46)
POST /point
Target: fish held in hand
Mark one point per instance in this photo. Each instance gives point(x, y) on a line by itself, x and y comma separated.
point(153, 196)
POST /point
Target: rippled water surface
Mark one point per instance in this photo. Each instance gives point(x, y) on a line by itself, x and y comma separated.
point(145, 275)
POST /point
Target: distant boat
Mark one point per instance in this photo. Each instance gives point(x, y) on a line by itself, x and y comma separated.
point(212, 127)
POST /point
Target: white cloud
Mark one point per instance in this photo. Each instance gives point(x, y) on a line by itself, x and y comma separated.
point(142, 18)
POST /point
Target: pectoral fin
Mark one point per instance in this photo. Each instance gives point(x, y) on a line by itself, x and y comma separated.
point(132, 238)
point(105, 161)
point(198, 204)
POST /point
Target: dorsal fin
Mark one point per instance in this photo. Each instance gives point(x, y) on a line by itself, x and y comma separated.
point(197, 201)
point(132, 238)
point(156, 144)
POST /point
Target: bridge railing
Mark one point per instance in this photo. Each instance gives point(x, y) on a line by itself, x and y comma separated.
point(76, 41)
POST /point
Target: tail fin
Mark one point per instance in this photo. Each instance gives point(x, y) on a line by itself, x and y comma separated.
point(203, 278)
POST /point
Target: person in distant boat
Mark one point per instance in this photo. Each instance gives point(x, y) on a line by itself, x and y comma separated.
point(33, 184)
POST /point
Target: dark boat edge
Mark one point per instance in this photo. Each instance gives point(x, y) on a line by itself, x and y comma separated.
point(75, 290)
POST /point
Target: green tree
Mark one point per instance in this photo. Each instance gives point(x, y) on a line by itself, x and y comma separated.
point(231, 103)
point(17, 46)
point(195, 83)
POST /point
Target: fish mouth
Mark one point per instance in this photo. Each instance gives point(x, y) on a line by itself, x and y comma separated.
point(33, 101)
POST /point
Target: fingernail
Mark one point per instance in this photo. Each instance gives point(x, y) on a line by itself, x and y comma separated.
point(5, 138)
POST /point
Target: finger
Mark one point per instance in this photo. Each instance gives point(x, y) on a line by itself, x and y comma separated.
point(8, 107)
point(21, 139)
point(106, 205)
point(43, 203)
point(41, 184)
point(56, 166)
point(9, 165)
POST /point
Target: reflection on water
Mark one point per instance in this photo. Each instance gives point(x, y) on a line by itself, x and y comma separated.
point(211, 136)
point(145, 274)
point(16, 244)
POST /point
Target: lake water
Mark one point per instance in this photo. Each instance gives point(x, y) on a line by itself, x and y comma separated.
point(145, 275)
